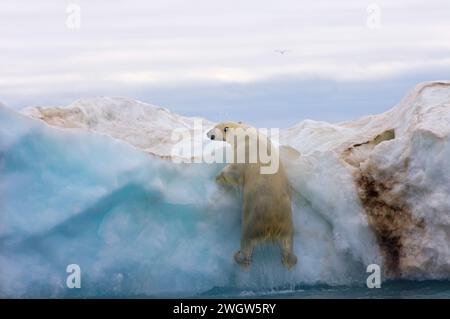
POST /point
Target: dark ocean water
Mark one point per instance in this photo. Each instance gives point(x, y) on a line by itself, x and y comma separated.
point(400, 289)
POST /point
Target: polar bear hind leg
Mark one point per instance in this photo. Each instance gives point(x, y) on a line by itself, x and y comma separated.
point(243, 257)
point(288, 257)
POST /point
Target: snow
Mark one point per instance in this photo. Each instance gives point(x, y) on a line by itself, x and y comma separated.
point(408, 170)
point(145, 126)
point(78, 186)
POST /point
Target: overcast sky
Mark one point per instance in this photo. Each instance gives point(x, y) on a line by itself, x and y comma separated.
point(220, 59)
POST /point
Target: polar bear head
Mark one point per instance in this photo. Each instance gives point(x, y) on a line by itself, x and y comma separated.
point(248, 145)
point(225, 131)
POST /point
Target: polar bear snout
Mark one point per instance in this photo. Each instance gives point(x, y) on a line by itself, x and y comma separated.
point(211, 134)
point(214, 134)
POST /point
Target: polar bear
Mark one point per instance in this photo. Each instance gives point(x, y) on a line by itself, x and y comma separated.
point(266, 212)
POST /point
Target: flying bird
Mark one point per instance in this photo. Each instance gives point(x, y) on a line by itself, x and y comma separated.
point(282, 51)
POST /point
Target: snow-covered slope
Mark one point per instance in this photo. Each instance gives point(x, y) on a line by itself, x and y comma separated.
point(375, 190)
point(400, 180)
point(145, 126)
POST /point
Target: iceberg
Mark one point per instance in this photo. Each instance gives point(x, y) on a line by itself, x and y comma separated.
point(91, 184)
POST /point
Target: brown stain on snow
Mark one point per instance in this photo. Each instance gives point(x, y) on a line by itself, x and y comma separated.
point(388, 213)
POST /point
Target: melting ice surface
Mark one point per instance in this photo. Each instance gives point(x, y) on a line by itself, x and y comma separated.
point(138, 225)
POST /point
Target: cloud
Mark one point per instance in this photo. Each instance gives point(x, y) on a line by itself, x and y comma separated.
point(129, 46)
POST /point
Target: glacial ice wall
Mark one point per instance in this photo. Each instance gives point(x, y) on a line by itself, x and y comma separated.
point(135, 224)
point(375, 190)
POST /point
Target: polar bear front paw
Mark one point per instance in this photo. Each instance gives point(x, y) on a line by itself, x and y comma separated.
point(289, 260)
point(220, 179)
point(242, 260)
